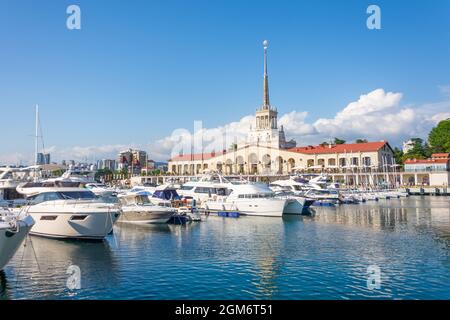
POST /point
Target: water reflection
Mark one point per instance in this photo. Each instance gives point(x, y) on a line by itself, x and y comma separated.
point(324, 255)
point(4, 294)
point(40, 268)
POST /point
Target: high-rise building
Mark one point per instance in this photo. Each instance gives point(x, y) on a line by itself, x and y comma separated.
point(132, 158)
point(42, 158)
point(106, 164)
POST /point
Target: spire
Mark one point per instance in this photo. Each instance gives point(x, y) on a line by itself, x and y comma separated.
point(266, 102)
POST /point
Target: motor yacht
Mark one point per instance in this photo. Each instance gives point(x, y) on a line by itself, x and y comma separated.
point(14, 227)
point(249, 199)
point(207, 187)
point(293, 189)
point(101, 189)
point(10, 178)
point(63, 209)
point(137, 208)
point(164, 195)
point(324, 195)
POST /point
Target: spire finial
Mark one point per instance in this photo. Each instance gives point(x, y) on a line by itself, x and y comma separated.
point(266, 102)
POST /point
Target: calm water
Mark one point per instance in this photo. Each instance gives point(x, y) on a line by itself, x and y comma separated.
point(325, 256)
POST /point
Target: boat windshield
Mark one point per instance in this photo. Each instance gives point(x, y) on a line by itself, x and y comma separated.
point(142, 200)
point(170, 194)
point(76, 195)
point(66, 195)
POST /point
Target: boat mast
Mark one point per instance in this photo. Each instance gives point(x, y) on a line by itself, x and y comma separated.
point(36, 137)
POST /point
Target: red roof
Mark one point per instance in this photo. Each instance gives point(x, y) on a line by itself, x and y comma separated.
point(196, 156)
point(426, 161)
point(440, 155)
point(341, 148)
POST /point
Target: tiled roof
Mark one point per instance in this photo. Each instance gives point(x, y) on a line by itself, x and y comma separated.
point(440, 155)
point(341, 148)
point(196, 156)
point(426, 161)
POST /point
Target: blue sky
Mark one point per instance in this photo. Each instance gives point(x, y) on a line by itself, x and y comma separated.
point(138, 70)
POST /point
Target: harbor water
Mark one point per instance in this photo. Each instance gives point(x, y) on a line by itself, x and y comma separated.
point(323, 256)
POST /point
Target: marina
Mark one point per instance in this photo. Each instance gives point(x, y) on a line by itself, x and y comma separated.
point(146, 155)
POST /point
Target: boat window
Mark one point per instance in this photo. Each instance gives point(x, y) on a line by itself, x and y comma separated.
point(43, 197)
point(205, 190)
point(78, 217)
point(71, 195)
point(223, 191)
point(166, 194)
point(140, 200)
point(49, 218)
point(187, 187)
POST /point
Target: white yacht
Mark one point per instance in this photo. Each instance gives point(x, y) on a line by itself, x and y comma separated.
point(13, 230)
point(324, 196)
point(137, 208)
point(10, 178)
point(207, 187)
point(101, 189)
point(78, 176)
point(291, 188)
point(65, 210)
point(250, 199)
point(215, 194)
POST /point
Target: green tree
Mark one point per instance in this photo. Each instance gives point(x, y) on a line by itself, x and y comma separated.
point(361, 141)
point(420, 150)
point(398, 155)
point(102, 173)
point(57, 173)
point(338, 141)
point(439, 137)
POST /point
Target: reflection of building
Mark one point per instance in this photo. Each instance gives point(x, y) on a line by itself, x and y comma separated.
point(266, 150)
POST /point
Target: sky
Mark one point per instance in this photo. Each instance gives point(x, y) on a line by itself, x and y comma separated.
point(139, 73)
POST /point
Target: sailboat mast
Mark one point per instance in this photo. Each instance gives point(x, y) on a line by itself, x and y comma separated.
point(36, 137)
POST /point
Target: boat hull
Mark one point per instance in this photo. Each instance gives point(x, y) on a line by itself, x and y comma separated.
point(145, 217)
point(264, 207)
point(74, 225)
point(10, 240)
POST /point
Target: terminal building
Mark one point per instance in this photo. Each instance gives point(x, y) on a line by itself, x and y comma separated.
point(266, 151)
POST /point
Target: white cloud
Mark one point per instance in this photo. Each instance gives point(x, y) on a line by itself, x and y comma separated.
point(86, 153)
point(377, 115)
point(373, 115)
point(375, 101)
point(203, 139)
point(12, 158)
point(294, 123)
